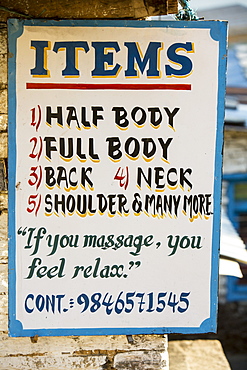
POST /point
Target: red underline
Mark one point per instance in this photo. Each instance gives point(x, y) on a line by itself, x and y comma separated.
point(78, 86)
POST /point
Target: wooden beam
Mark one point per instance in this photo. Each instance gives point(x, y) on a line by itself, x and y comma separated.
point(84, 9)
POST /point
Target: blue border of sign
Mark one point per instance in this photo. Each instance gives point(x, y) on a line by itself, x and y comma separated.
point(218, 31)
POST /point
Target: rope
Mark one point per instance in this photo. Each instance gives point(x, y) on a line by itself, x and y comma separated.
point(186, 13)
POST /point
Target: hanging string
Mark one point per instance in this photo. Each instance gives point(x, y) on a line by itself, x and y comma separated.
point(186, 13)
point(3, 8)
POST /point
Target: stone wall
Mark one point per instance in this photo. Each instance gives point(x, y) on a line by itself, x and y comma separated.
point(3, 180)
point(144, 352)
point(90, 353)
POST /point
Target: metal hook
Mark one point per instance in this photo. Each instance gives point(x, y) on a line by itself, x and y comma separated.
point(130, 339)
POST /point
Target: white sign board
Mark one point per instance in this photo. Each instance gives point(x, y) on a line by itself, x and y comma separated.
point(115, 138)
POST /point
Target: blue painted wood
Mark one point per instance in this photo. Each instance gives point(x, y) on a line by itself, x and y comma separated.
point(235, 292)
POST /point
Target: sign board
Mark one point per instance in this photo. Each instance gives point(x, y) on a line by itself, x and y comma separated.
point(115, 140)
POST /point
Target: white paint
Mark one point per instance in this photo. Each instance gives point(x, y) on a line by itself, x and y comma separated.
point(192, 147)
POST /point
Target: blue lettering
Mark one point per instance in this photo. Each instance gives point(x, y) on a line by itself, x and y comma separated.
point(29, 296)
point(41, 48)
point(181, 60)
point(135, 57)
point(104, 58)
point(71, 48)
